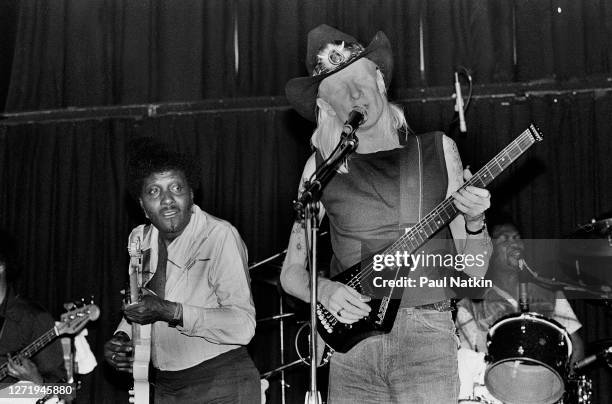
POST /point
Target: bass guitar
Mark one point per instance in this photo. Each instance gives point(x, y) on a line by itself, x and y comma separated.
point(385, 302)
point(71, 322)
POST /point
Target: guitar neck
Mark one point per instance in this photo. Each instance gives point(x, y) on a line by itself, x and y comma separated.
point(446, 211)
point(33, 348)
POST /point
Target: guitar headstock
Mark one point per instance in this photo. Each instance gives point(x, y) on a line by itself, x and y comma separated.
point(134, 247)
point(78, 315)
point(535, 133)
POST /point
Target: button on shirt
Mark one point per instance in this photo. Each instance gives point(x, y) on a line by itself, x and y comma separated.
point(207, 273)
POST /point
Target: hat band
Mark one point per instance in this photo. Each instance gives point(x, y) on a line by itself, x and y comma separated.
point(335, 55)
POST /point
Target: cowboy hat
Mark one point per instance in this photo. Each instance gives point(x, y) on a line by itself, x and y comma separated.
point(329, 51)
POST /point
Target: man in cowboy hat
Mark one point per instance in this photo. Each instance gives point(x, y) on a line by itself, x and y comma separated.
point(394, 179)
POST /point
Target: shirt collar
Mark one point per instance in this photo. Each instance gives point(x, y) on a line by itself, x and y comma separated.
point(179, 248)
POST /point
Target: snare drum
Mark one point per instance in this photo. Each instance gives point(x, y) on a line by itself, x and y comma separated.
point(528, 359)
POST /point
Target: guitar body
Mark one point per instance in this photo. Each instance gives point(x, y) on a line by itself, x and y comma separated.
point(385, 302)
point(140, 366)
point(141, 334)
point(379, 321)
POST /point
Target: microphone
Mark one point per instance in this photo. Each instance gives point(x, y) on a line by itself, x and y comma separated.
point(357, 117)
point(591, 358)
point(459, 105)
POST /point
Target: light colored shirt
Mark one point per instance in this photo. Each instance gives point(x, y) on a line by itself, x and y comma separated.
point(207, 273)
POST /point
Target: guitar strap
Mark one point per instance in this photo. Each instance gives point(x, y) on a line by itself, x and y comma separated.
point(146, 256)
point(411, 161)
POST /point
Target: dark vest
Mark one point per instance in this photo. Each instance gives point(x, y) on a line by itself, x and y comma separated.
point(366, 212)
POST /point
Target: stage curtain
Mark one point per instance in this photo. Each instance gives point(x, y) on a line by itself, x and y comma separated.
point(101, 52)
point(111, 52)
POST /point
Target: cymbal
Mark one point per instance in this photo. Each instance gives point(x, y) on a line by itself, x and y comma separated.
point(593, 239)
point(596, 228)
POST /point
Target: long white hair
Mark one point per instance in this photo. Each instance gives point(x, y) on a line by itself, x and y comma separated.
point(326, 135)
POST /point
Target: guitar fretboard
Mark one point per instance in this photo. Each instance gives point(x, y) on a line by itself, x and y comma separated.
point(446, 211)
point(31, 349)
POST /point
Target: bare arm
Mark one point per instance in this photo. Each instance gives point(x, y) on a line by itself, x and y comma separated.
point(577, 347)
point(472, 203)
point(295, 278)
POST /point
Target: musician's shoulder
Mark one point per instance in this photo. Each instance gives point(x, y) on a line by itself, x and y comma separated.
point(218, 225)
point(29, 309)
point(140, 229)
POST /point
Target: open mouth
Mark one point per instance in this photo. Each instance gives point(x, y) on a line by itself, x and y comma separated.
point(170, 213)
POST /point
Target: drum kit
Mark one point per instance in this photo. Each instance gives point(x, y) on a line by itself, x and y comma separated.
point(528, 360)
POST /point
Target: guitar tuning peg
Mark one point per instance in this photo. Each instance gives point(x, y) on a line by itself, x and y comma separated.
point(91, 299)
point(69, 306)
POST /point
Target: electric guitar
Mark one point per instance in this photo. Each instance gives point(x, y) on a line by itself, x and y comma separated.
point(342, 337)
point(141, 334)
point(71, 323)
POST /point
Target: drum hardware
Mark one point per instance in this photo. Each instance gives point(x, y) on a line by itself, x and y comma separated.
point(281, 368)
point(276, 256)
point(303, 336)
point(276, 317)
point(267, 271)
point(605, 354)
point(578, 390)
point(270, 274)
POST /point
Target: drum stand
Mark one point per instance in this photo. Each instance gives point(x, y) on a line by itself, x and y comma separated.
point(274, 280)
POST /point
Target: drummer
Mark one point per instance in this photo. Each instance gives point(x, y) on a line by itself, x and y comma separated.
point(475, 317)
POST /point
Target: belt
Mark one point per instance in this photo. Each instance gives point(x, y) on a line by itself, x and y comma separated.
point(442, 305)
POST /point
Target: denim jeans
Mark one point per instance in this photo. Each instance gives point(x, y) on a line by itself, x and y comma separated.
point(415, 363)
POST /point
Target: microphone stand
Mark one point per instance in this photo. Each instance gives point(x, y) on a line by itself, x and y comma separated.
point(307, 207)
point(523, 296)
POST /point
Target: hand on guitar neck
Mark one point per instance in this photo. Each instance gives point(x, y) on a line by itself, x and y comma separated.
point(23, 369)
point(151, 308)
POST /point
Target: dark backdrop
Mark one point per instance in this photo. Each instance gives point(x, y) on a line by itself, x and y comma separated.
point(62, 173)
point(104, 52)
